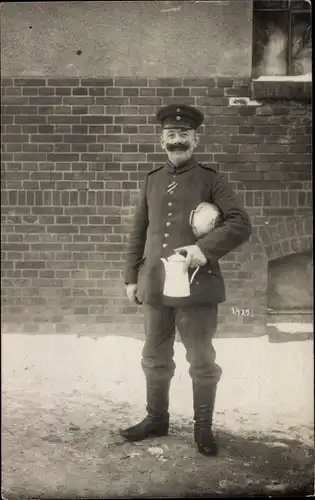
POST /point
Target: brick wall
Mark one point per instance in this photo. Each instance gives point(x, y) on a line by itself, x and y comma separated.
point(74, 152)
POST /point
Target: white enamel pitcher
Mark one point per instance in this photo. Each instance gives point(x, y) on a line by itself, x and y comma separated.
point(177, 282)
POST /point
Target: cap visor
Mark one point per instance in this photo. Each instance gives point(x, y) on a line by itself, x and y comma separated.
point(176, 125)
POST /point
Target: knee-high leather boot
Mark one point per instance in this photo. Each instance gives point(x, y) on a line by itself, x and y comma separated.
point(204, 400)
point(156, 423)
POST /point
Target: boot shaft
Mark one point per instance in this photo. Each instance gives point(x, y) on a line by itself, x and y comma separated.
point(203, 402)
point(158, 399)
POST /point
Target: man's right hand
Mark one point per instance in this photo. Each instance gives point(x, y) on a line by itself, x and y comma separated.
point(131, 291)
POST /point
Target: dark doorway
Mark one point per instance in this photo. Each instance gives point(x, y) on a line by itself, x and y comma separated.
point(290, 283)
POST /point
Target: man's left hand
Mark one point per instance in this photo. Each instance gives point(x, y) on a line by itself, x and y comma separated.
point(194, 257)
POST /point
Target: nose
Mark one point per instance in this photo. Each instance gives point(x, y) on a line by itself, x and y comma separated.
point(177, 137)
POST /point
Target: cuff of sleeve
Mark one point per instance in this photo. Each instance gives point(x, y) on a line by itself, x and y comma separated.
point(131, 277)
point(203, 247)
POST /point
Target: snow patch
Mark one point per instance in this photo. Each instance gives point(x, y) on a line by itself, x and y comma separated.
point(243, 101)
point(155, 450)
point(285, 78)
point(265, 387)
point(293, 327)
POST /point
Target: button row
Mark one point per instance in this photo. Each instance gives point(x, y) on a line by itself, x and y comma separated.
point(168, 223)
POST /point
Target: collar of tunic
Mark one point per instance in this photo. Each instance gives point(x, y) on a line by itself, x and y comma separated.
point(172, 169)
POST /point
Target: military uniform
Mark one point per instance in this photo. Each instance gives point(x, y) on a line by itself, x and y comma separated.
point(161, 224)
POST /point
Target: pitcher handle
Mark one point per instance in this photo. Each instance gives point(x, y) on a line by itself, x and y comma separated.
point(192, 213)
point(194, 274)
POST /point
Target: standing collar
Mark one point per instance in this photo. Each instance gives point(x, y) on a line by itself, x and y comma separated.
point(181, 168)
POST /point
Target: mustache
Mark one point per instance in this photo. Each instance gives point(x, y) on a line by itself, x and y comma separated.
point(179, 146)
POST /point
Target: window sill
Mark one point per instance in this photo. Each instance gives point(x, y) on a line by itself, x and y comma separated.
point(282, 87)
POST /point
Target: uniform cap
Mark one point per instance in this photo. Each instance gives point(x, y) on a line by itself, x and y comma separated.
point(179, 116)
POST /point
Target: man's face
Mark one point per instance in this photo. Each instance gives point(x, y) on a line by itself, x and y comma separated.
point(179, 144)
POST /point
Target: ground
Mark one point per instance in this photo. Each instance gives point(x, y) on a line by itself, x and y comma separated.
point(65, 398)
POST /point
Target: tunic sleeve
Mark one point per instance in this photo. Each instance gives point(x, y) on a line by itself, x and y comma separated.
point(137, 237)
point(236, 227)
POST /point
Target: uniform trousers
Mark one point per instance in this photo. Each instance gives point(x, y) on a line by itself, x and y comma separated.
point(196, 326)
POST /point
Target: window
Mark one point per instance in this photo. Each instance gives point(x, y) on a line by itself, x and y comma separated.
point(282, 38)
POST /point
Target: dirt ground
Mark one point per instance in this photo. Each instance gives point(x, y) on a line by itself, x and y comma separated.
point(73, 450)
point(65, 398)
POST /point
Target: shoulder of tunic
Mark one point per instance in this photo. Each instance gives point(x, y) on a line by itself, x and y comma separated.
point(156, 170)
point(207, 167)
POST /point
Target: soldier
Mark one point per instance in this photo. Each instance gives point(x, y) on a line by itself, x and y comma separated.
point(160, 228)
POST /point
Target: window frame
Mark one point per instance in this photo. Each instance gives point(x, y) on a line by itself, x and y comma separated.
point(290, 10)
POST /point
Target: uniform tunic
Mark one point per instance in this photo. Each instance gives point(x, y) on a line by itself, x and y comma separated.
point(161, 224)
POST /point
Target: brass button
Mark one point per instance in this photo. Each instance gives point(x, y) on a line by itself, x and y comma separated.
point(210, 272)
point(171, 193)
point(168, 223)
point(166, 235)
point(170, 203)
point(164, 245)
point(170, 214)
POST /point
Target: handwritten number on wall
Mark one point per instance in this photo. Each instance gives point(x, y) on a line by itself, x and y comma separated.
point(241, 312)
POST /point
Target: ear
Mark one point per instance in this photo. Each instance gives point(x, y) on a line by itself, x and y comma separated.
point(197, 139)
point(162, 142)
